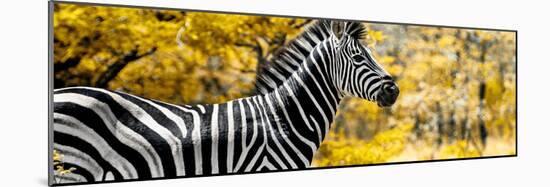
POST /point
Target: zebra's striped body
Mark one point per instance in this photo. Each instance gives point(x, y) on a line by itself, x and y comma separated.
point(239, 136)
point(113, 136)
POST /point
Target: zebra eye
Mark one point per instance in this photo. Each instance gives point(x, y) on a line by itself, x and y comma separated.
point(358, 58)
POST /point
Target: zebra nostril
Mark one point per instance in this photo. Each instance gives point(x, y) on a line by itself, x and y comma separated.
point(390, 88)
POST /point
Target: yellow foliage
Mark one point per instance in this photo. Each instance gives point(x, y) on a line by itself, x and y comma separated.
point(375, 36)
point(341, 150)
point(199, 57)
point(59, 168)
point(459, 149)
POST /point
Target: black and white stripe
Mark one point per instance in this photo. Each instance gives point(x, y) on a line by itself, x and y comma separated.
point(273, 73)
point(115, 136)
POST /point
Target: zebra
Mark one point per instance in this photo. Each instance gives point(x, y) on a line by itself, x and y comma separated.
point(108, 135)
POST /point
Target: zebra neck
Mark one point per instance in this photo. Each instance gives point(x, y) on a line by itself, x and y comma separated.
point(307, 101)
point(289, 58)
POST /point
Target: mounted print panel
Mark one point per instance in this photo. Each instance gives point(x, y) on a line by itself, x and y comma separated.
point(141, 93)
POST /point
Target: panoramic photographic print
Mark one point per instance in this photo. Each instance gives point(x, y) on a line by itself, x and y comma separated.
point(141, 93)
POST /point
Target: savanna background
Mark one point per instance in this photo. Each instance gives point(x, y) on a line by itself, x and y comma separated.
point(458, 86)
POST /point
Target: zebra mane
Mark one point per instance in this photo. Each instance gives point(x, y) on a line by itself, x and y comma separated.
point(273, 73)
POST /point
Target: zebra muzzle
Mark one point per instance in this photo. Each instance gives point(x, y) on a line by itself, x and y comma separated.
point(388, 94)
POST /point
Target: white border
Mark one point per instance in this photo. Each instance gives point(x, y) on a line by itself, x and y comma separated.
point(23, 83)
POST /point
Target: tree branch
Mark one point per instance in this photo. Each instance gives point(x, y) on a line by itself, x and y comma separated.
point(69, 63)
point(115, 68)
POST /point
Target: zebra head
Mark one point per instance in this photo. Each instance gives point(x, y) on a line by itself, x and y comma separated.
point(355, 71)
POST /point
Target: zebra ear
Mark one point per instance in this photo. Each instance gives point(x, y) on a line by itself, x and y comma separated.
point(338, 28)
